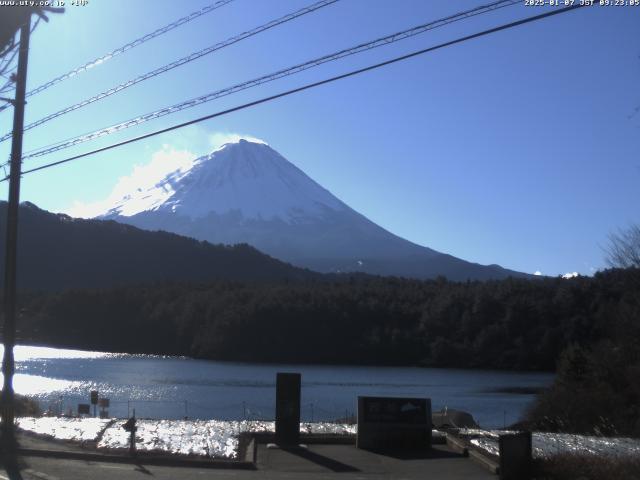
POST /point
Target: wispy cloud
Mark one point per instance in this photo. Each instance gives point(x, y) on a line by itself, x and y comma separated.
point(218, 139)
point(163, 162)
point(570, 275)
point(135, 188)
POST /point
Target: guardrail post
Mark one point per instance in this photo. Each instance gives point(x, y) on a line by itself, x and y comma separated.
point(515, 456)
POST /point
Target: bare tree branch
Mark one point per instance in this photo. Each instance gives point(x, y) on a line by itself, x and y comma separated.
point(623, 250)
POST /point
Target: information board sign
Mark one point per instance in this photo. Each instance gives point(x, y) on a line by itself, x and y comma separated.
point(392, 423)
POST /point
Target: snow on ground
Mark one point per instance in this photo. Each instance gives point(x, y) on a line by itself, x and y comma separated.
point(209, 438)
point(219, 439)
point(548, 444)
point(326, 428)
point(75, 429)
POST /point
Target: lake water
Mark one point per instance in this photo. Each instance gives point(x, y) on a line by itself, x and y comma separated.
point(171, 387)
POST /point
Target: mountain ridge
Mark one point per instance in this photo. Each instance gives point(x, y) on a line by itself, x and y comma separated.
point(57, 252)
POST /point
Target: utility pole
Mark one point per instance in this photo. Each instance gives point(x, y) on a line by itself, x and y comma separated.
point(9, 330)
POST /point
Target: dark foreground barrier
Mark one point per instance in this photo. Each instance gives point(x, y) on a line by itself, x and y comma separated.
point(389, 423)
point(515, 456)
point(288, 408)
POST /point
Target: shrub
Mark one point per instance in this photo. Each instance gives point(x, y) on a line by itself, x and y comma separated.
point(571, 466)
point(595, 392)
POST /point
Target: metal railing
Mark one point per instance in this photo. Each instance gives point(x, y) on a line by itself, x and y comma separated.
point(189, 409)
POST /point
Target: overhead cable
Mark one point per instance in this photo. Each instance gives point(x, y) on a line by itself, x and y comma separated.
point(267, 78)
point(177, 63)
point(307, 87)
point(128, 46)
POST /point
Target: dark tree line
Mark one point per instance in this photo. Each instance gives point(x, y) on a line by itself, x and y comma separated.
point(506, 324)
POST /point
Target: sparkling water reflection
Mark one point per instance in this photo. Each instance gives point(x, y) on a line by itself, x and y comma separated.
point(174, 387)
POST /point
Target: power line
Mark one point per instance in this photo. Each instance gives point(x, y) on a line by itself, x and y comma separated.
point(177, 63)
point(267, 78)
point(6, 72)
point(9, 73)
point(11, 55)
point(66, 143)
point(130, 45)
point(10, 39)
point(308, 86)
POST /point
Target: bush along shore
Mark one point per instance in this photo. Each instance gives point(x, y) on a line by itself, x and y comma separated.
point(576, 466)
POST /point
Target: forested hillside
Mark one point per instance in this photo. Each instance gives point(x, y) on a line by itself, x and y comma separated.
point(57, 252)
point(507, 324)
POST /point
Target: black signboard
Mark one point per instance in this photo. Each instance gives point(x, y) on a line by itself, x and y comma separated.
point(515, 456)
point(84, 409)
point(392, 423)
point(288, 408)
point(94, 397)
point(104, 403)
point(395, 410)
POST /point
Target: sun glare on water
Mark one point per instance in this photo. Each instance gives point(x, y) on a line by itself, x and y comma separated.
point(23, 353)
point(34, 385)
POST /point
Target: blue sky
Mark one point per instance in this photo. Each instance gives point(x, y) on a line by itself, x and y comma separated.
point(520, 148)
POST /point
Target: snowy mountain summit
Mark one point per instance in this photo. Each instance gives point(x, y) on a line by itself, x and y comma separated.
point(249, 178)
point(246, 192)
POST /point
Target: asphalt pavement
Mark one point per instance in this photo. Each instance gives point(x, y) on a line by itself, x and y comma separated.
point(318, 461)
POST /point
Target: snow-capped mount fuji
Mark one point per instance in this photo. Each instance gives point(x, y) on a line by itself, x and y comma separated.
point(246, 192)
point(248, 177)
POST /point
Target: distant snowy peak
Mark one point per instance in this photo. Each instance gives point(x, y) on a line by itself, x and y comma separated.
point(244, 177)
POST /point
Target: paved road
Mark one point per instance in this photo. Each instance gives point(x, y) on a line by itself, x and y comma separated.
point(317, 462)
